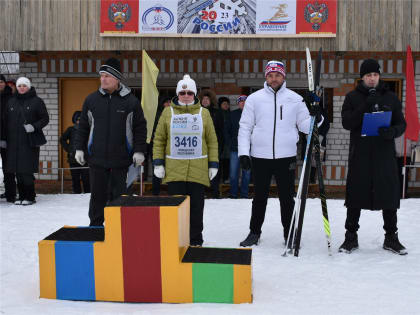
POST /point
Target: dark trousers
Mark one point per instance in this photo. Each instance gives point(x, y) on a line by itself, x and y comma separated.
point(156, 181)
point(284, 174)
point(196, 193)
point(389, 215)
point(101, 180)
point(26, 186)
point(214, 186)
point(8, 180)
point(78, 175)
point(224, 165)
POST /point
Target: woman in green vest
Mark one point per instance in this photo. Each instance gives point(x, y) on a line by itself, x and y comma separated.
point(185, 151)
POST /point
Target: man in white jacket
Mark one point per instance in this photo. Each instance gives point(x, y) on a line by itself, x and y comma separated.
point(267, 141)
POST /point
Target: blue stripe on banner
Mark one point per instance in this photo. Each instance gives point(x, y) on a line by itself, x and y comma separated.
point(75, 273)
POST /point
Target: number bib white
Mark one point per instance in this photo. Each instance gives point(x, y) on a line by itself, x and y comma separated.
point(186, 136)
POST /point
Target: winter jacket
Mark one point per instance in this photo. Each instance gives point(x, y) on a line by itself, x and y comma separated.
point(194, 170)
point(112, 127)
point(5, 95)
point(233, 128)
point(23, 109)
point(68, 139)
point(270, 123)
point(372, 178)
point(218, 121)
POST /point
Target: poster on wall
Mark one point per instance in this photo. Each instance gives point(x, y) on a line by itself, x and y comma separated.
point(120, 17)
point(216, 16)
point(229, 18)
point(157, 18)
point(276, 17)
point(316, 17)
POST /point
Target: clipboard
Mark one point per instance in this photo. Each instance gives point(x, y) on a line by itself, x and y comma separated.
point(373, 121)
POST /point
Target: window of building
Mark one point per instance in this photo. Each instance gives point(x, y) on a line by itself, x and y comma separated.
point(9, 62)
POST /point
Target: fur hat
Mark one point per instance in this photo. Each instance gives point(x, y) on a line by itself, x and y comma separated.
point(275, 66)
point(369, 66)
point(23, 81)
point(113, 67)
point(3, 78)
point(186, 84)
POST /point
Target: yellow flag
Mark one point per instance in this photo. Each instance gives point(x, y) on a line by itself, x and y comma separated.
point(149, 93)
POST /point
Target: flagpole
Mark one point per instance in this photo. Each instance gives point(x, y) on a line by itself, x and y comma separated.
point(404, 164)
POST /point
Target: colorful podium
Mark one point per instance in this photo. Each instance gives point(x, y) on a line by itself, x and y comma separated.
point(142, 255)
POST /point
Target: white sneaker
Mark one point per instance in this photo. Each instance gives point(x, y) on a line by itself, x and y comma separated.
point(27, 202)
point(18, 202)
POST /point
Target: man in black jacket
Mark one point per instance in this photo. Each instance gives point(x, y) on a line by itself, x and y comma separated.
point(8, 178)
point(68, 142)
point(113, 130)
point(372, 179)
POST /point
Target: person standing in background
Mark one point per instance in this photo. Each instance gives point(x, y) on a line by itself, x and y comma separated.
point(224, 105)
point(68, 142)
point(8, 178)
point(26, 114)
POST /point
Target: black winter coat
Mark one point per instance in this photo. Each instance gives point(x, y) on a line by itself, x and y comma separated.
point(372, 178)
point(112, 127)
point(218, 122)
point(4, 98)
point(20, 157)
point(233, 128)
point(68, 142)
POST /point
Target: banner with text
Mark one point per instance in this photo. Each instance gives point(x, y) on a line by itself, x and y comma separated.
point(236, 18)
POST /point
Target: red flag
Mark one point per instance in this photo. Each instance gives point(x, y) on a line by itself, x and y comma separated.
point(411, 112)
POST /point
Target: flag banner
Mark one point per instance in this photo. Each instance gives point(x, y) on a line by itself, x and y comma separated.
point(149, 92)
point(119, 17)
point(411, 111)
point(219, 18)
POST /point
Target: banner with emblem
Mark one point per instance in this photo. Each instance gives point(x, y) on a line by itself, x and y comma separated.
point(119, 17)
point(219, 18)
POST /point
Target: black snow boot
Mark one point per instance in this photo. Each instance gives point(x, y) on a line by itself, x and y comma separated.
point(350, 243)
point(393, 244)
point(251, 239)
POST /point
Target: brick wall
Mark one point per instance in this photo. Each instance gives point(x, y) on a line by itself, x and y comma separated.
point(228, 74)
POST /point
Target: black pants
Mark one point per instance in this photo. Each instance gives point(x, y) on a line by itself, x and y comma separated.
point(284, 173)
point(8, 180)
point(224, 165)
point(214, 186)
point(105, 185)
point(26, 186)
point(196, 193)
point(156, 181)
point(77, 175)
point(389, 215)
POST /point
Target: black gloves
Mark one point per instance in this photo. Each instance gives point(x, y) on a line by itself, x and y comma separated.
point(388, 133)
point(245, 162)
point(315, 110)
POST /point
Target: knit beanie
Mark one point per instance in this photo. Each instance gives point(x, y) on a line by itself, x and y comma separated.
point(369, 66)
point(186, 84)
point(241, 98)
point(275, 66)
point(23, 81)
point(112, 67)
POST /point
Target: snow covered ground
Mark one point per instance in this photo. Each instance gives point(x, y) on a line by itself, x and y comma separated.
point(369, 281)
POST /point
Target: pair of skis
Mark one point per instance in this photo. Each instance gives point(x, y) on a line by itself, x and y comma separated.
point(295, 231)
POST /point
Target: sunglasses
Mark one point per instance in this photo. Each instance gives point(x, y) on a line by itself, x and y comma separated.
point(189, 93)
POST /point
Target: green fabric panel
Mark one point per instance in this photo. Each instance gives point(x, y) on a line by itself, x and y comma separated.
point(212, 283)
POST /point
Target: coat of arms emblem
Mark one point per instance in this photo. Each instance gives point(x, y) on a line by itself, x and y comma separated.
point(316, 14)
point(119, 13)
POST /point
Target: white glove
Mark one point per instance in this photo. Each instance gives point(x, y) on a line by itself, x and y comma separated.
point(29, 128)
point(159, 171)
point(212, 172)
point(138, 158)
point(80, 157)
point(3, 144)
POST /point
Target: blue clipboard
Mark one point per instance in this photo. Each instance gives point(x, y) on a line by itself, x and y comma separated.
point(373, 121)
